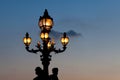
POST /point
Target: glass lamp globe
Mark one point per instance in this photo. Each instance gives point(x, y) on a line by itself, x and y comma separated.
point(64, 40)
point(45, 21)
point(27, 40)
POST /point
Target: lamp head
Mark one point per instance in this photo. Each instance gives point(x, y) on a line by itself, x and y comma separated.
point(27, 40)
point(45, 21)
point(44, 35)
point(64, 39)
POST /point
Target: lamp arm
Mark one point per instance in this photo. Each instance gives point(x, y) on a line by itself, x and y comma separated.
point(32, 50)
point(59, 50)
point(39, 48)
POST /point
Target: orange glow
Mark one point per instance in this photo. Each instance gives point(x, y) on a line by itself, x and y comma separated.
point(46, 23)
point(44, 35)
point(64, 40)
point(49, 45)
point(27, 41)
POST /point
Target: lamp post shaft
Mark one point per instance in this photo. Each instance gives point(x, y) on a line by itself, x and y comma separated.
point(45, 63)
point(45, 58)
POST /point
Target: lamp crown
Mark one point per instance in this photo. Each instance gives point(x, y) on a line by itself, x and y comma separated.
point(64, 34)
point(46, 13)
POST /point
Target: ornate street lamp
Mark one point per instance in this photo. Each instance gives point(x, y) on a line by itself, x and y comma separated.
point(45, 23)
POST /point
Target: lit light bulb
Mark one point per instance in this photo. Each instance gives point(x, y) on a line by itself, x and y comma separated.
point(49, 45)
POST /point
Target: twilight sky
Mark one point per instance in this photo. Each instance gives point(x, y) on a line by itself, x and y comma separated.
point(93, 56)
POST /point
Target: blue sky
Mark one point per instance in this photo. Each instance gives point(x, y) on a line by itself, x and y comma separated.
point(94, 56)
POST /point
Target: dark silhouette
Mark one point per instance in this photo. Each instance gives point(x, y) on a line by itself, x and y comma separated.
point(54, 74)
point(44, 49)
point(39, 74)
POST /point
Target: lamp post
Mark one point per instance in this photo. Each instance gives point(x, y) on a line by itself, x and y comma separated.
point(45, 23)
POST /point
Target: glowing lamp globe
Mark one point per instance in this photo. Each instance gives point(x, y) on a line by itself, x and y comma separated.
point(27, 40)
point(64, 40)
point(49, 45)
point(44, 36)
point(45, 22)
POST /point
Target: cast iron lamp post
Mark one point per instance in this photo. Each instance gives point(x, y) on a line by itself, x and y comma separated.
point(45, 23)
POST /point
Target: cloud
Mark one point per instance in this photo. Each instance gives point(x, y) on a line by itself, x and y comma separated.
point(70, 33)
